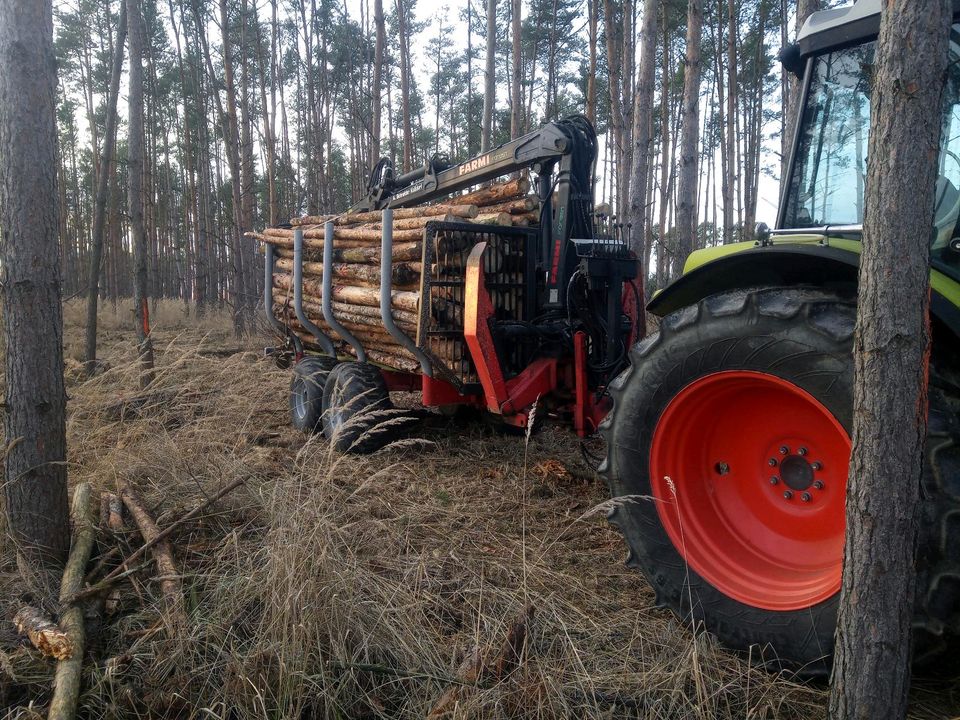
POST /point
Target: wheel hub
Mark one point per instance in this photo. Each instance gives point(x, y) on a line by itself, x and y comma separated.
point(749, 472)
point(796, 472)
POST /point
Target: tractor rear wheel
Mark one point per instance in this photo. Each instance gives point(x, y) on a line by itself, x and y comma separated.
point(728, 444)
point(306, 391)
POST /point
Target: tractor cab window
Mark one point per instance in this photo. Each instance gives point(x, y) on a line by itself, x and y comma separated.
point(830, 169)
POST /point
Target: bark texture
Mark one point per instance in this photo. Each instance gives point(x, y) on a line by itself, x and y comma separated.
point(871, 675)
point(689, 135)
point(135, 192)
point(35, 482)
point(490, 77)
point(100, 210)
point(643, 107)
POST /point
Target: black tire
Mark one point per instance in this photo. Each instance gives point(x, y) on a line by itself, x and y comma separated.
point(803, 336)
point(358, 416)
point(306, 391)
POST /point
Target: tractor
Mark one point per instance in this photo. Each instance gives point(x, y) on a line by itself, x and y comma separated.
point(736, 416)
point(728, 430)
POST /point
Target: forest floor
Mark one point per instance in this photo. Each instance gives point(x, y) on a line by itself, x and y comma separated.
point(354, 587)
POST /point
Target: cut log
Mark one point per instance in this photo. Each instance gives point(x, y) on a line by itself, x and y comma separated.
point(496, 193)
point(45, 635)
point(314, 309)
point(353, 295)
point(404, 274)
point(494, 219)
point(163, 556)
point(311, 219)
point(66, 680)
point(458, 209)
point(515, 207)
point(368, 254)
point(364, 233)
point(418, 223)
point(529, 218)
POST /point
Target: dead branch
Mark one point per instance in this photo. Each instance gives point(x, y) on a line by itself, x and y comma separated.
point(66, 681)
point(46, 635)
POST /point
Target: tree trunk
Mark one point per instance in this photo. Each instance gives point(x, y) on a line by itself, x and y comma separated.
point(100, 210)
point(642, 111)
point(871, 675)
point(377, 80)
point(591, 100)
point(35, 487)
point(516, 110)
point(135, 191)
point(405, 86)
point(689, 135)
point(489, 78)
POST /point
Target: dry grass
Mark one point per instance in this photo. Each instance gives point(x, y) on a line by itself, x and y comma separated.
point(351, 587)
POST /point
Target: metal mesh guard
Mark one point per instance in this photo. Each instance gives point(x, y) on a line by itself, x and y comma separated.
point(445, 250)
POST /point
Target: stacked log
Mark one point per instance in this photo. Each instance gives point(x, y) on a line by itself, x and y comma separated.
point(355, 289)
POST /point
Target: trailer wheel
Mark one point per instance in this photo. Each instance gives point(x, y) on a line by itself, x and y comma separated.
point(728, 445)
point(357, 411)
point(306, 391)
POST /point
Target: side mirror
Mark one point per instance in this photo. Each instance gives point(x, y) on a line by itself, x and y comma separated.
point(762, 233)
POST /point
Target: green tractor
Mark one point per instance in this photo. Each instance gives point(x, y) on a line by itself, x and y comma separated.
point(729, 440)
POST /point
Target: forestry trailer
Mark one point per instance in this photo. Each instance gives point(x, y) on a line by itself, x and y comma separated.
point(728, 430)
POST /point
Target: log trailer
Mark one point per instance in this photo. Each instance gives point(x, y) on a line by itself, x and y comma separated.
point(735, 417)
point(508, 317)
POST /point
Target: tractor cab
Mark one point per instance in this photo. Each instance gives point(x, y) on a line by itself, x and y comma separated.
point(828, 167)
point(736, 416)
point(816, 240)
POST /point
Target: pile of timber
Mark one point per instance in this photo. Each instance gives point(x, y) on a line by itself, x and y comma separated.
point(355, 291)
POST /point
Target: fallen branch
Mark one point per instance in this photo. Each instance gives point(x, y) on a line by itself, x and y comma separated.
point(162, 555)
point(46, 635)
point(119, 572)
point(66, 681)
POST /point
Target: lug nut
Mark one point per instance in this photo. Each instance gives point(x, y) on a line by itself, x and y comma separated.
point(784, 449)
point(802, 451)
point(818, 484)
point(787, 495)
point(817, 466)
point(774, 480)
point(806, 497)
point(772, 462)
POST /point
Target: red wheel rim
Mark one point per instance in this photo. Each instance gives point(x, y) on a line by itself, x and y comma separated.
point(749, 473)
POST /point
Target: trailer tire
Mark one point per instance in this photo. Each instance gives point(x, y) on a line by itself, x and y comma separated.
point(306, 391)
point(792, 348)
point(357, 411)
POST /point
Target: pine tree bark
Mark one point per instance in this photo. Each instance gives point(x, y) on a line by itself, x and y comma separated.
point(689, 135)
point(35, 486)
point(135, 191)
point(100, 209)
point(377, 79)
point(871, 675)
point(405, 86)
point(489, 78)
point(591, 100)
point(516, 109)
point(642, 111)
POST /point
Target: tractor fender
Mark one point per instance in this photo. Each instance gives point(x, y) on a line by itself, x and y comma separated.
point(792, 265)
